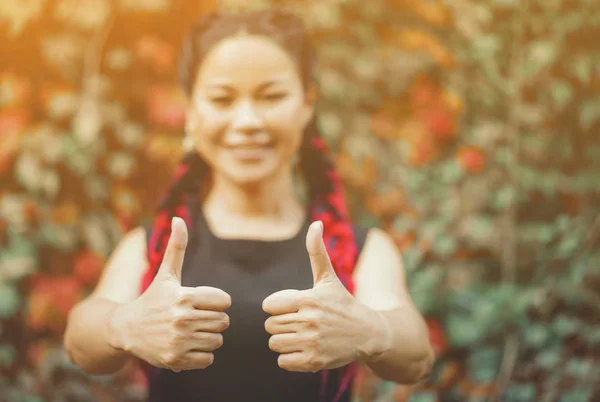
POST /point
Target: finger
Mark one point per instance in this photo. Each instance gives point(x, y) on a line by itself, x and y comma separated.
point(203, 321)
point(296, 361)
point(205, 342)
point(284, 343)
point(210, 321)
point(173, 259)
point(282, 302)
point(319, 259)
point(193, 360)
point(206, 298)
point(282, 324)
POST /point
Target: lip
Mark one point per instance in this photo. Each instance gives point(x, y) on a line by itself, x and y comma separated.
point(250, 153)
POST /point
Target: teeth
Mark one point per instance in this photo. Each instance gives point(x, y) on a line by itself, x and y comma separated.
point(250, 147)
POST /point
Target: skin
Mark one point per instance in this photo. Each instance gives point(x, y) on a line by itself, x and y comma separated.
point(247, 112)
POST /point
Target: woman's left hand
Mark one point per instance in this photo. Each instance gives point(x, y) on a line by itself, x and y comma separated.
point(324, 327)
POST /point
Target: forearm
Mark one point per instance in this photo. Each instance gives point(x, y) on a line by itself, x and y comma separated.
point(401, 352)
point(88, 337)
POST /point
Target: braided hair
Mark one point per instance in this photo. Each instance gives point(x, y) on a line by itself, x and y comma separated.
point(324, 191)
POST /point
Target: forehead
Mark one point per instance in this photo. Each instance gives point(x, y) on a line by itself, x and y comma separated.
point(246, 60)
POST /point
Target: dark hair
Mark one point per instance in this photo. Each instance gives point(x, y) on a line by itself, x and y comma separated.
point(325, 197)
point(281, 26)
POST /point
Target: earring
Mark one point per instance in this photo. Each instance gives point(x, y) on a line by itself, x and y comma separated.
point(189, 140)
point(189, 143)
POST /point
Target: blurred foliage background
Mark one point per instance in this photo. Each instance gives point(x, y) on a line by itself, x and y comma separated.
point(466, 129)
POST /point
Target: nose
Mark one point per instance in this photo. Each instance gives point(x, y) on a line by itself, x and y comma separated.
point(246, 119)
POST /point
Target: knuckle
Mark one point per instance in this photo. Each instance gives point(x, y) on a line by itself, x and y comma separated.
point(175, 339)
point(314, 340)
point(181, 319)
point(308, 300)
point(176, 313)
point(170, 359)
point(183, 299)
point(316, 317)
point(314, 363)
point(309, 320)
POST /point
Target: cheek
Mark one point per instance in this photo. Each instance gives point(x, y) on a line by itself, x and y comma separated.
point(211, 125)
point(288, 112)
point(285, 119)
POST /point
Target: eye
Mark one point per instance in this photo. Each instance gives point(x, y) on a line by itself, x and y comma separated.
point(222, 100)
point(275, 96)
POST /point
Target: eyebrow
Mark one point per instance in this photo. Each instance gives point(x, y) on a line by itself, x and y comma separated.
point(260, 87)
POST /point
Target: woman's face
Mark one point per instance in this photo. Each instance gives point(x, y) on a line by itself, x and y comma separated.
point(248, 109)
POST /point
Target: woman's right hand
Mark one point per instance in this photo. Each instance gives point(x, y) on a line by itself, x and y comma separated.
point(169, 325)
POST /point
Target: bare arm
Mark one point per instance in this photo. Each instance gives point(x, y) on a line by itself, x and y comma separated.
point(404, 355)
point(88, 335)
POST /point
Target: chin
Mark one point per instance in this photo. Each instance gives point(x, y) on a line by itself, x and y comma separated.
point(251, 176)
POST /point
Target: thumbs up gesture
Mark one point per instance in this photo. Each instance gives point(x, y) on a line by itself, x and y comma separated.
point(320, 328)
point(169, 325)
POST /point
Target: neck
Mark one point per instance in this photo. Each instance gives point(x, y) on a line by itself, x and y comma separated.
point(271, 199)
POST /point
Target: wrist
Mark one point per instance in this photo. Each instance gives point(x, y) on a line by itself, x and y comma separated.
point(379, 337)
point(116, 330)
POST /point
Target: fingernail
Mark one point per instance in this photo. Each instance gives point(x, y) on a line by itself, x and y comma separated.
point(321, 226)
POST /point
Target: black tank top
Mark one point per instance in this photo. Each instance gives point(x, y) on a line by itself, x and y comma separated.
point(245, 369)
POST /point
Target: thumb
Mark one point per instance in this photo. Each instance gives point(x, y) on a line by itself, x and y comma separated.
point(173, 259)
point(319, 259)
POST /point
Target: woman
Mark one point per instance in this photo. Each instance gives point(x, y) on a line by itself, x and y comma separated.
point(226, 322)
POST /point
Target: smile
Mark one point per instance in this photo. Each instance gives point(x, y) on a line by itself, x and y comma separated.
point(250, 154)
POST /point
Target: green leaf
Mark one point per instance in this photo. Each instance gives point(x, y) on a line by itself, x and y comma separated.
point(120, 164)
point(549, 359)
point(565, 325)
point(562, 93)
point(545, 233)
point(423, 286)
point(578, 368)
point(452, 172)
point(576, 395)
point(521, 392)
point(485, 45)
point(9, 300)
point(65, 238)
point(582, 69)
point(589, 113)
point(7, 355)
point(445, 245)
point(567, 246)
point(504, 197)
point(463, 330)
point(537, 335)
point(541, 55)
point(593, 336)
point(423, 396)
point(480, 226)
point(483, 364)
point(32, 398)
